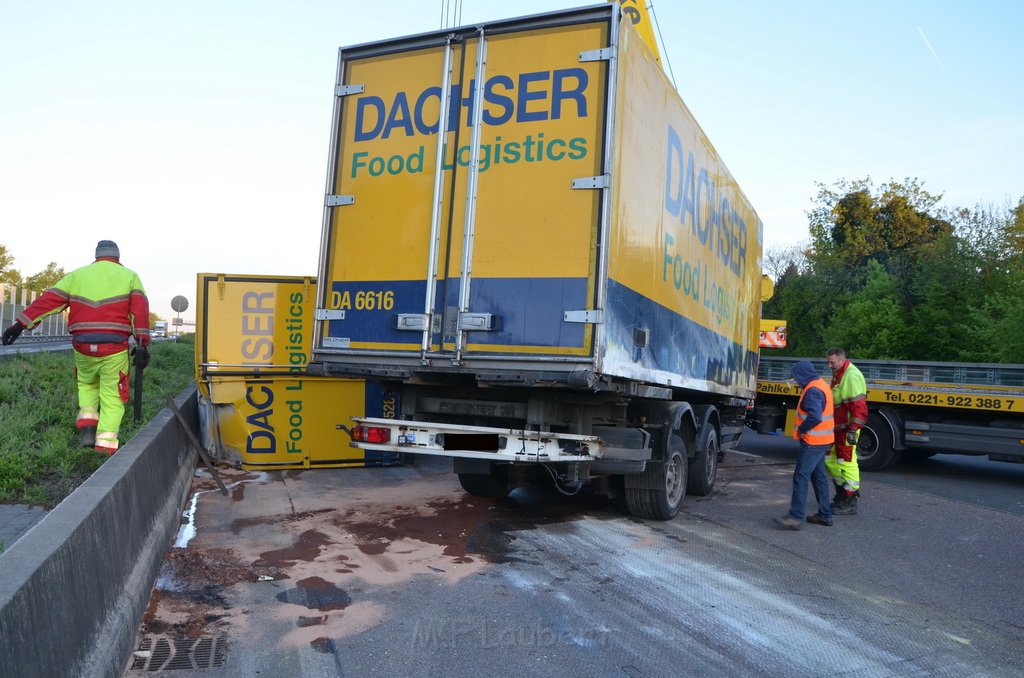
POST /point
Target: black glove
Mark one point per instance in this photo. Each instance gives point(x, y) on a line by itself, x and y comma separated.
point(12, 333)
point(141, 354)
point(851, 438)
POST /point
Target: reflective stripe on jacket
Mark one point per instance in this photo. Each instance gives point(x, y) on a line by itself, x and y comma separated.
point(850, 396)
point(822, 433)
point(105, 301)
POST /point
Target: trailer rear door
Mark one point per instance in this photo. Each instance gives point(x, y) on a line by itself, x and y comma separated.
point(483, 242)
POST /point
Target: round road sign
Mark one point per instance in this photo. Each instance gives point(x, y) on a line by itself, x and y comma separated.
point(179, 303)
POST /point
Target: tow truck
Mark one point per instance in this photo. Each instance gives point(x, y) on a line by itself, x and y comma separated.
point(916, 409)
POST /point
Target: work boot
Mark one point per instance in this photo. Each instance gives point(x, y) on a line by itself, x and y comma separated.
point(819, 519)
point(88, 435)
point(788, 522)
point(839, 501)
point(849, 505)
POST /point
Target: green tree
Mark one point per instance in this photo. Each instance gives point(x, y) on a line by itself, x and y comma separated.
point(1014, 237)
point(8, 274)
point(944, 285)
point(872, 323)
point(46, 278)
point(888, 274)
point(803, 303)
point(777, 260)
point(994, 323)
point(997, 333)
point(853, 222)
point(893, 268)
point(783, 265)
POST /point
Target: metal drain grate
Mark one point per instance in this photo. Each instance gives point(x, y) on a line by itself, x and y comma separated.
point(162, 653)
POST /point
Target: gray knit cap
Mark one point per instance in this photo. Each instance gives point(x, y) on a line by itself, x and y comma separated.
point(107, 248)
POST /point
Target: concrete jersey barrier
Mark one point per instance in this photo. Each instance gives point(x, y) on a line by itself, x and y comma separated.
point(74, 588)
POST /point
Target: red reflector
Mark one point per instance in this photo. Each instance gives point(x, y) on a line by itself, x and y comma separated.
point(371, 434)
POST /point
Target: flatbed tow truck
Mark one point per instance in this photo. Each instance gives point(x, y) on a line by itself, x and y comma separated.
point(916, 409)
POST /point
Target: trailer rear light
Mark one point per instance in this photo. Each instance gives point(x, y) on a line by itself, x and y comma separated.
point(371, 434)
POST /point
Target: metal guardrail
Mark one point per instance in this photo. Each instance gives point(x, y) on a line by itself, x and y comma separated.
point(42, 339)
point(14, 300)
point(902, 371)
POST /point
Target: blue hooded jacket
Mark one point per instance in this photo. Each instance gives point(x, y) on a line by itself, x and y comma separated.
point(814, 400)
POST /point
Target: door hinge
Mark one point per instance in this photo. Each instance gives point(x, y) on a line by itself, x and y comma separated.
point(603, 54)
point(345, 90)
point(600, 181)
point(593, 315)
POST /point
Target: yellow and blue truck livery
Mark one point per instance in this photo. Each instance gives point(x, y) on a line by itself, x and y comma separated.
point(528, 236)
point(259, 409)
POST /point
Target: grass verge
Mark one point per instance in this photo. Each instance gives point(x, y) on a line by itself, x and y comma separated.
point(41, 461)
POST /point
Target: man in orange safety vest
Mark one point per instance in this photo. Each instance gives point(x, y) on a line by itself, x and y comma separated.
point(814, 430)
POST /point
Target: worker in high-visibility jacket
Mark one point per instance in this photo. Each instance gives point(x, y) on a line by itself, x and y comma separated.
point(107, 305)
point(814, 420)
point(850, 394)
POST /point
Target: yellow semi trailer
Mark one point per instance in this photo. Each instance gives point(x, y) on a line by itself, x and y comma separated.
point(916, 408)
point(529, 238)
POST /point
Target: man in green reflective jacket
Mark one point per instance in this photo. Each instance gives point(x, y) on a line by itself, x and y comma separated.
point(106, 305)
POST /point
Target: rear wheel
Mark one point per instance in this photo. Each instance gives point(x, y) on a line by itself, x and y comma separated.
point(705, 463)
point(662, 485)
point(875, 449)
point(493, 484)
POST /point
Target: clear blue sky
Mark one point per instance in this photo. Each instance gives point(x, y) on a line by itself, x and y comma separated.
point(195, 133)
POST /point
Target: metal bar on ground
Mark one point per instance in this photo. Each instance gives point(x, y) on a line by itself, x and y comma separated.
point(199, 448)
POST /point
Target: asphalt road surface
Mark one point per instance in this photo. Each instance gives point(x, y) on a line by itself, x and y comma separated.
point(397, 572)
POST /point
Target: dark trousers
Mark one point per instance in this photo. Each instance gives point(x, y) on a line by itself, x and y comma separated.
point(810, 469)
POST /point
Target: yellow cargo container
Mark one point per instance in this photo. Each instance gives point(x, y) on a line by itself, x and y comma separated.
point(259, 408)
point(528, 236)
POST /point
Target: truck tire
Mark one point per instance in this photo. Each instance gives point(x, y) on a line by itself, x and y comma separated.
point(875, 449)
point(493, 485)
point(705, 463)
point(662, 485)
